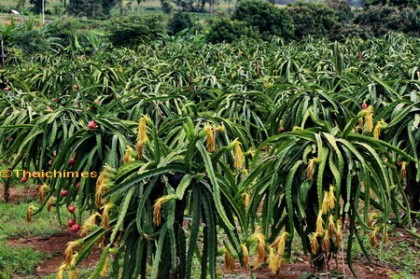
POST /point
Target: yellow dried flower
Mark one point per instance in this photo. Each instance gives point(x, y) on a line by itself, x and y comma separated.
point(50, 203)
point(210, 138)
point(378, 127)
point(89, 223)
point(310, 168)
point(275, 261)
point(105, 267)
point(372, 218)
point(331, 198)
point(141, 136)
point(338, 235)
point(246, 197)
point(42, 191)
point(372, 237)
point(60, 271)
point(68, 253)
point(319, 223)
point(157, 208)
point(245, 256)
point(314, 243)
point(325, 203)
point(403, 170)
point(239, 155)
point(105, 215)
point(74, 274)
point(331, 225)
point(326, 242)
point(368, 127)
point(280, 243)
point(127, 155)
point(260, 239)
point(230, 262)
point(29, 213)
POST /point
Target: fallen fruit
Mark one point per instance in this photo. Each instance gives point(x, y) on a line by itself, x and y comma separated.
point(75, 228)
point(71, 208)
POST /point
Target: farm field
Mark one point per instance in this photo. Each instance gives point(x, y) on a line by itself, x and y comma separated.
point(169, 146)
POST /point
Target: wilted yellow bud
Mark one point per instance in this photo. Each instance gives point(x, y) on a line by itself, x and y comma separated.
point(372, 237)
point(310, 168)
point(331, 225)
point(29, 213)
point(274, 261)
point(239, 155)
point(68, 253)
point(331, 198)
point(319, 223)
point(50, 203)
point(338, 235)
point(314, 243)
point(89, 223)
point(42, 191)
point(403, 170)
point(260, 239)
point(378, 127)
point(157, 208)
point(105, 215)
point(210, 138)
point(325, 203)
point(368, 127)
point(372, 218)
point(60, 271)
point(326, 242)
point(245, 256)
point(280, 243)
point(230, 262)
point(246, 197)
point(127, 155)
point(74, 274)
point(105, 267)
point(141, 136)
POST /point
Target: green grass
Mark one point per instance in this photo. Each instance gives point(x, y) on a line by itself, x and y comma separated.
point(13, 221)
point(22, 260)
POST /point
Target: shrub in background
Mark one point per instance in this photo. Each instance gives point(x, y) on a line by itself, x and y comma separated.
point(179, 22)
point(226, 30)
point(382, 19)
point(266, 18)
point(315, 19)
point(133, 29)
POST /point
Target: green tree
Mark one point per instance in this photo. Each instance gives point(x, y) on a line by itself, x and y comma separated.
point(37, 5)
point(179, 22)
point(266, 17)
point(90, 8)
point(313, 19)
point(401, 3)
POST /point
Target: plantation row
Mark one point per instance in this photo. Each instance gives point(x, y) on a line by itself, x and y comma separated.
point(258, 143)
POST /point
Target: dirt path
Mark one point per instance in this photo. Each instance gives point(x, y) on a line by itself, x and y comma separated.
point(20, 194)
point(55, 246)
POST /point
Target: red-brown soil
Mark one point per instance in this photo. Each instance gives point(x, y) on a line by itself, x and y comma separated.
point(53, 245)
point(20, 194)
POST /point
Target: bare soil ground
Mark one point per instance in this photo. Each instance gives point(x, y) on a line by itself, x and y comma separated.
point(55, 246)
point(19, 194)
